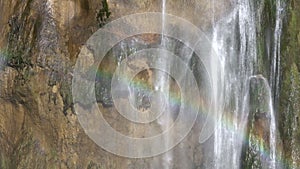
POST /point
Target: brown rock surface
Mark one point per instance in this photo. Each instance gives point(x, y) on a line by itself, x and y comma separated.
point(37, 126)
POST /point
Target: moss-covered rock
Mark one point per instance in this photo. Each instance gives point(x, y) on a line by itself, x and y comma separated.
point(289, 110)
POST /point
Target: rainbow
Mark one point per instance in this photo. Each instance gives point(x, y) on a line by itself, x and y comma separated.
point(227, 118)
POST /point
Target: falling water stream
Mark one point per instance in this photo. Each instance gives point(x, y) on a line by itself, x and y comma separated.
point(162, 85)
point(239, 88)
point(275, 72)
point(245, 130)
point(234, 39)
point(267, 104)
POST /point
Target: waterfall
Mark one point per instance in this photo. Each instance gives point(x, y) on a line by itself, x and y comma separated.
point(233, 71)
point(235, 40)
point(275, 62)
point(162, 85)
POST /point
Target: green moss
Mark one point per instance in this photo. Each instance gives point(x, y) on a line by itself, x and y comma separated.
point(266, 14)
point(4, 163)
point(66, 93)
point(20, 39)
point(289, 109)
point(103, 14)
point(53, 154)
point(93, 165)
point(291, 42)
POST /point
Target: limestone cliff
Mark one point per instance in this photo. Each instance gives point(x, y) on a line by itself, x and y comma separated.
point(39, 43)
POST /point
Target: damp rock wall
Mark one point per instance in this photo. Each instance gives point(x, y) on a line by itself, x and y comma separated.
point(39, 43)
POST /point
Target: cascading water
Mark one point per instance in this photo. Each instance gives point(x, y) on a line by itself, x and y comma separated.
point(275, 62)
point(234, 39)
point(235, 42)
point(233, 67)
point(162, 85)
point(244, 75)
point(265, 105)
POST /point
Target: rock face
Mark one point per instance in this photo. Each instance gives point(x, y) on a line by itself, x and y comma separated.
point(290, 117)
point(39, 43)
point(289, 107)
point(38, 48)
point(257, 145)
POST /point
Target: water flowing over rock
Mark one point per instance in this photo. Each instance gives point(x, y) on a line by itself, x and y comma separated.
point(249, 83)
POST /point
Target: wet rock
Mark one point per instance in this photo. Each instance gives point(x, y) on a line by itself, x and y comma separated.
point(257, 149)
point(40, 42)
point(289, 108)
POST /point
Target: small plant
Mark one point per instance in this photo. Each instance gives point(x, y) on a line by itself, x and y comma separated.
point(18, 52)
point(103, 14)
